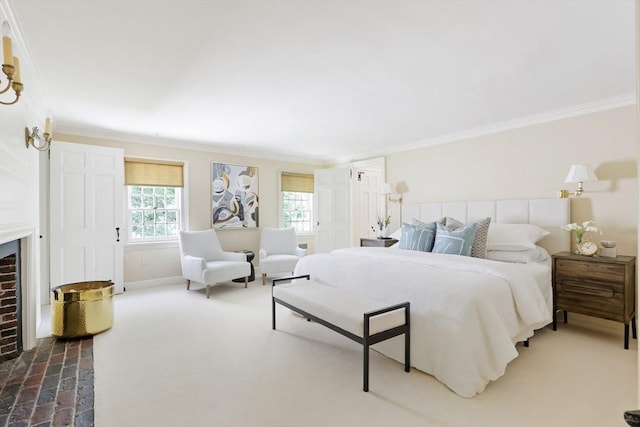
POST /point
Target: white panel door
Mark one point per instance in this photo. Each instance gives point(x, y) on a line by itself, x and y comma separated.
point(332, 206)
point(87, 184)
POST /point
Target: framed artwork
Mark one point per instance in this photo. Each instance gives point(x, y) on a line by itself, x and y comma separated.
point(234, 195)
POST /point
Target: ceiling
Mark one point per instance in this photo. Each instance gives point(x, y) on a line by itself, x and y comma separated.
point(321, 80)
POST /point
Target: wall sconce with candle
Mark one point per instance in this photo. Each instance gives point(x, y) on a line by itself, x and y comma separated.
point(33, 138)
point(10, 66)
point(578, 174)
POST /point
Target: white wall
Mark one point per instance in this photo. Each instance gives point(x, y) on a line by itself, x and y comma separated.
point(532, 162)
point(20, 180)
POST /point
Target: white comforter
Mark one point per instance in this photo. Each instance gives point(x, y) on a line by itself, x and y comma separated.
point(466, 313)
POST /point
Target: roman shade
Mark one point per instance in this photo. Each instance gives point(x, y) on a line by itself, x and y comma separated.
point(296, 182)
point(153, 173)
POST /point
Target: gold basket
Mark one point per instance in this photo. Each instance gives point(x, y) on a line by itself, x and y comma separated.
point(81, 309)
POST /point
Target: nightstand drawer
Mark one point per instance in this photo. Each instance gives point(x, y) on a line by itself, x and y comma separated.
point(570, 269)
point(592, 298)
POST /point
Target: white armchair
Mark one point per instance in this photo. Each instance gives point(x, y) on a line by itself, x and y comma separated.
point(204, 261)
point(279, 251)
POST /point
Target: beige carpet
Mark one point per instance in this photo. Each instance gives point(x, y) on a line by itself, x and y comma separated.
point(174, 358)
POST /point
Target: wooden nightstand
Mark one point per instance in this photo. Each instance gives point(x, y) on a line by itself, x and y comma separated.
point(596, 286)
point(382, 243)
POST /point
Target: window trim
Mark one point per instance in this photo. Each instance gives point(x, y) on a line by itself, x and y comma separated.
point(183, 224)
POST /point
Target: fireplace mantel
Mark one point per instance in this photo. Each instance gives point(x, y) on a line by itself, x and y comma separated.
point(10, 233)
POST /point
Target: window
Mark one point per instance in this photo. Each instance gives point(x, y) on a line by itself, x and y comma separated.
point(154, 212)
point(297, 202)
point(154, 199)
point(297, 209)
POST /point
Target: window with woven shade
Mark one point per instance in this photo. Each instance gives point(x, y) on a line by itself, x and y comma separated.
point(297, 201)
point(154, 199)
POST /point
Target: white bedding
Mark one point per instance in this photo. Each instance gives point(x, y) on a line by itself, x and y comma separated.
point(466, 313)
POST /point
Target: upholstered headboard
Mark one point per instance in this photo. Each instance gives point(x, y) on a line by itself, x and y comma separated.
point(549, 214)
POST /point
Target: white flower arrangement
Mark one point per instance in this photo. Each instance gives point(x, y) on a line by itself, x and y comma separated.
point(384, 222)
point(587, 226)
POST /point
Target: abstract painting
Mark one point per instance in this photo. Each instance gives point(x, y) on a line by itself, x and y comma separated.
point(234, 192)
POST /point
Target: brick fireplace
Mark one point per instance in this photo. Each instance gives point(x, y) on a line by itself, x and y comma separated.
point(10, 301)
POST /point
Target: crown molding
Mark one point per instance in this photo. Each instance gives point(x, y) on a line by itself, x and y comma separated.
point(549, 116)
point(232, 150)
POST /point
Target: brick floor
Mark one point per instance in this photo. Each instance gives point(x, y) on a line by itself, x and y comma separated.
point(50, 385)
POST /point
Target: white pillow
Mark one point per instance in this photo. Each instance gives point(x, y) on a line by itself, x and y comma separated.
point(513, 237)
point(537, 254)
point(396, 234)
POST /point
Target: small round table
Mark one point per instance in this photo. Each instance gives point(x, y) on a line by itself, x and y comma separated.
point(250, 257)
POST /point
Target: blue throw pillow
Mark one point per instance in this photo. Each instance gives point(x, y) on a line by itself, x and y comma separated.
point(457, 242)
point(418, 237)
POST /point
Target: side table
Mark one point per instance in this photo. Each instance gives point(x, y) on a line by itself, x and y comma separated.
point(596, 286)
point(382, 243)
point(250, 257)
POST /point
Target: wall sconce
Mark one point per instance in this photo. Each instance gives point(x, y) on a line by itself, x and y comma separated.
point(578, 174)
point(387, 190)
point(44, 141)
point(10, 66)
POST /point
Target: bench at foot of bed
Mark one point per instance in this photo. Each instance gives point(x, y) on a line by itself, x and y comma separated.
point(357, 317)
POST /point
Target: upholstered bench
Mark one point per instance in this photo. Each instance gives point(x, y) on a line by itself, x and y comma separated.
point(357, 317)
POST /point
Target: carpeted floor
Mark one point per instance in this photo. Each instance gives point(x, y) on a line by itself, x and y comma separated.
point(174, 358)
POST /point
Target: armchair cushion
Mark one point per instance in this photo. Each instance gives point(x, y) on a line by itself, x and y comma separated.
point(278, 241)
point(278, 264)
point(217, 271)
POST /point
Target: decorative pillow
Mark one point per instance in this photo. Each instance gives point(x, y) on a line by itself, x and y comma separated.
point(415, 221)
point(418, 237)
point(479, 248)
point(513, 237)
point(530, 255)
point(452, 223)
point(457, 242)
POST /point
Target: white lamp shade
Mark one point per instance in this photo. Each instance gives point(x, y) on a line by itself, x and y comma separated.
point(387, 189)
point(580, 173)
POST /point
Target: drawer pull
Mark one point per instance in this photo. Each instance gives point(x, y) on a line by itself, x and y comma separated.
point(585, 289)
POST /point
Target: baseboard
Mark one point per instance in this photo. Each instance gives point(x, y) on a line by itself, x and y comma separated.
point(154, 283)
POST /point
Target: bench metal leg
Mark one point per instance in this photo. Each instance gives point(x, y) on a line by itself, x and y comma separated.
point(407, 340)
point(365, 355)
point(407, 351)
point(365, 366)
point(273, 313)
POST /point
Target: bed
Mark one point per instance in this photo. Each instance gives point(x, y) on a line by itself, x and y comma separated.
point(467, 314)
